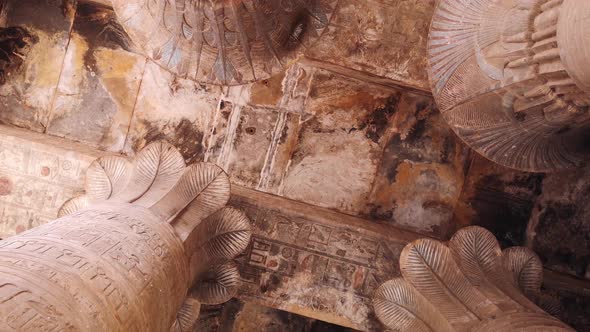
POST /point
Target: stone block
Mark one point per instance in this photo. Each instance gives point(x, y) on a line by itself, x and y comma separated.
point(340, 143)
point(257, 129)
point(99, 82)
point(174, 109)
point(315, 262)
point(27, 97)
point(422, 170)
point(385, 38)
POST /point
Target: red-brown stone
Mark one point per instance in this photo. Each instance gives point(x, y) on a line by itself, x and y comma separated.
point(5, 186)
point(20, 229)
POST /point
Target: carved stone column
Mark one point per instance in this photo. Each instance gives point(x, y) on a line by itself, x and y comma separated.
point(148, 243)
point(512, 78)
point(468, 284)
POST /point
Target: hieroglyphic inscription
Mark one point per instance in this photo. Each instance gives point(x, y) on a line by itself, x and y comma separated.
point(286, 260)
point(35, 181)
point(23, 317)
point(295, 264)
point(112, 261)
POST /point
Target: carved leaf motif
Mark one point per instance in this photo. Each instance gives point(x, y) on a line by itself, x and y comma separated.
point(478, 252)
point(73, 205)
point(479, 256)
point(463, 287)
point(188, 315)
point(203, 189)
point(428, 265)
point(550, 304)
point(175, 326)
point(106, 176)
point(217, 285)
point(222, 236)
point(400, 307)
point(526, 269)
point(155, 170)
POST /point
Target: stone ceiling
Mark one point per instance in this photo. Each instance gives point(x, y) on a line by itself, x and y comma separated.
point(350, 127)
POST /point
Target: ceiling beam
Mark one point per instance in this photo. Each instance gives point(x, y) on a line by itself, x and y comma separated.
point(304, 259)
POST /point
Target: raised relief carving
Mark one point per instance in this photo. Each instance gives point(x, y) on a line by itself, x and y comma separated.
point(147, 244)
point(467, 284)
point(224, 42)
point(512, 79)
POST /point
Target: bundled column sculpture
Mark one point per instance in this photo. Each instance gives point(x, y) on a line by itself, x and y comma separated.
point(469, 284)
point(146, 245)
point(512, 78)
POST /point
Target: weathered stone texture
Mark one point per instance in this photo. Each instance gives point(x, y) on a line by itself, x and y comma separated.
point(499, 199)
point(318, 264)
point(309, 134)
point(174, 109)
point(422, 170)
point(27, 97)
point(559, 228)
point(252, 140)
point(385, 38)
point(338, 151)
point(340, 129)
point(98, 86)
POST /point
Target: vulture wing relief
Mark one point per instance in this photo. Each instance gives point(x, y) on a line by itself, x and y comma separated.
point(226, 42)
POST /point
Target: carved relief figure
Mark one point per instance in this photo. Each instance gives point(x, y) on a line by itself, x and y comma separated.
point(143, 248)
point(469, 284)
point(511, 78)
point(224, 41)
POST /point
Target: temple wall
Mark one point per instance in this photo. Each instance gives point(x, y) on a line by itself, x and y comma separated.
point(343, 129)
point(320, 263)
point(341, 107)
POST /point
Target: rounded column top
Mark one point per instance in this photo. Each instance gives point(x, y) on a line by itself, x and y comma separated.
point(512, 79)
point(573, 38)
